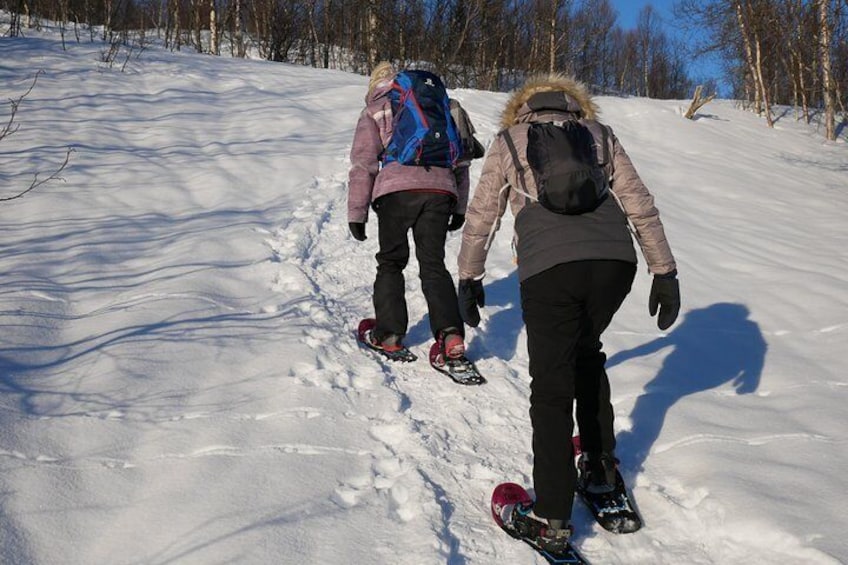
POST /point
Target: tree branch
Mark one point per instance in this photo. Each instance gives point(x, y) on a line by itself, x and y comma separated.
point(697, 102)
point(10, 127)
point(36, 183)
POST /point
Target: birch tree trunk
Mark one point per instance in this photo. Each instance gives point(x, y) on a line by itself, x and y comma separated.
point(762, 82)
point(647, 29)
point(213, 29)
point(178, 29)
point(373, 29)
point(15, 25)
point(752, 58)
point(107, 24)
point(63, 7)
point(552, 41)
point(238, 30)
point(198, 41)
point(802, 86)
point(827, 72)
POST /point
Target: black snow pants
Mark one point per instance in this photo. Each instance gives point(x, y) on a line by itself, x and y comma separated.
point(427, 215)
point(566, 309)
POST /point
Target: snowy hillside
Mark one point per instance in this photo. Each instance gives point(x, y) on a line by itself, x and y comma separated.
point(180, 383)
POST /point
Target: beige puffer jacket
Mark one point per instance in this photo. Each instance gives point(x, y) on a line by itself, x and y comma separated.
point(494, 191)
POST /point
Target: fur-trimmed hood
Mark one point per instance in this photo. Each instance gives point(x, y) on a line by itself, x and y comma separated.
point(574, 98)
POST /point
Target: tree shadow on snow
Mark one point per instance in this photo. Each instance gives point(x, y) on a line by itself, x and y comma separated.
point(701, 116)
point(712, 347)
point(44, 360)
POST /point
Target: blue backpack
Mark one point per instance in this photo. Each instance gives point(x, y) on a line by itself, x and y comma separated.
point(424, 132)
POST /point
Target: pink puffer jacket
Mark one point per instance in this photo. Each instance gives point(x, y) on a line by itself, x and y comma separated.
point(368, 180)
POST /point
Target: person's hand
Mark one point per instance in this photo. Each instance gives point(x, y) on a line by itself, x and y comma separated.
point(665, 294)
point(456, 221)
point(357, 230)
point(471, 296)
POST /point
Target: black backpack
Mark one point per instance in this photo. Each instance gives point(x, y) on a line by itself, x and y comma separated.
point(471, 147)
point(566, 164)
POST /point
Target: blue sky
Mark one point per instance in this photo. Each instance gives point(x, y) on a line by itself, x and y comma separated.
point(628, 16)
point(628, 10)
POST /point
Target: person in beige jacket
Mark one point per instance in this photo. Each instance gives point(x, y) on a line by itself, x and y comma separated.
point(575, 270)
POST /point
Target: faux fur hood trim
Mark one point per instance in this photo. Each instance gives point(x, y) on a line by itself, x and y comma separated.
point(576, 93)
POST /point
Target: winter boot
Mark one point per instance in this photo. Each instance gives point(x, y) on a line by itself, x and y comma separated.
point(391, 343)
point(386, 344)
point(552, 536)
point(451, 343)
point(597, 472)
point(601, 487)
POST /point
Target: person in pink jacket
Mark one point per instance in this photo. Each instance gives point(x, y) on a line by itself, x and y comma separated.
point(429, 201)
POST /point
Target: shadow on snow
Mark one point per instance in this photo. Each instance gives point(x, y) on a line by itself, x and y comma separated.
point(711, 347)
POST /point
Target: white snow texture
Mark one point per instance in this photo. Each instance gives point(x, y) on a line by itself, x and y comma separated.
point(181, 384)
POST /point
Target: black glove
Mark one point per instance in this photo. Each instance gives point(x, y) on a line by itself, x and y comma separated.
point(471, 295)
point(665, 293)
point(357, 229)
point(456, 221)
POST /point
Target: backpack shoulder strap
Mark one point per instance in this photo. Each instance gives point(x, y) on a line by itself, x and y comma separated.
point(605, 142)
point(517, 162)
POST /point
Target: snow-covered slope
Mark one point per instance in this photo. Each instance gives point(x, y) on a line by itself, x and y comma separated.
point(180, 382)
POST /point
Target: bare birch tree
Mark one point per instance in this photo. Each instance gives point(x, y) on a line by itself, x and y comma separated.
point(827, 73)
point(771, 49)
point(214, 48)
point(647, 31)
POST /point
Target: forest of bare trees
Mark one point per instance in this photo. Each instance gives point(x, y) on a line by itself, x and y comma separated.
point(773, 52)
point(779, 52)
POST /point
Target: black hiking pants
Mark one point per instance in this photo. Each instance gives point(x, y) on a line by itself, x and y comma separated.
point(427, 215)
point(566, 309)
